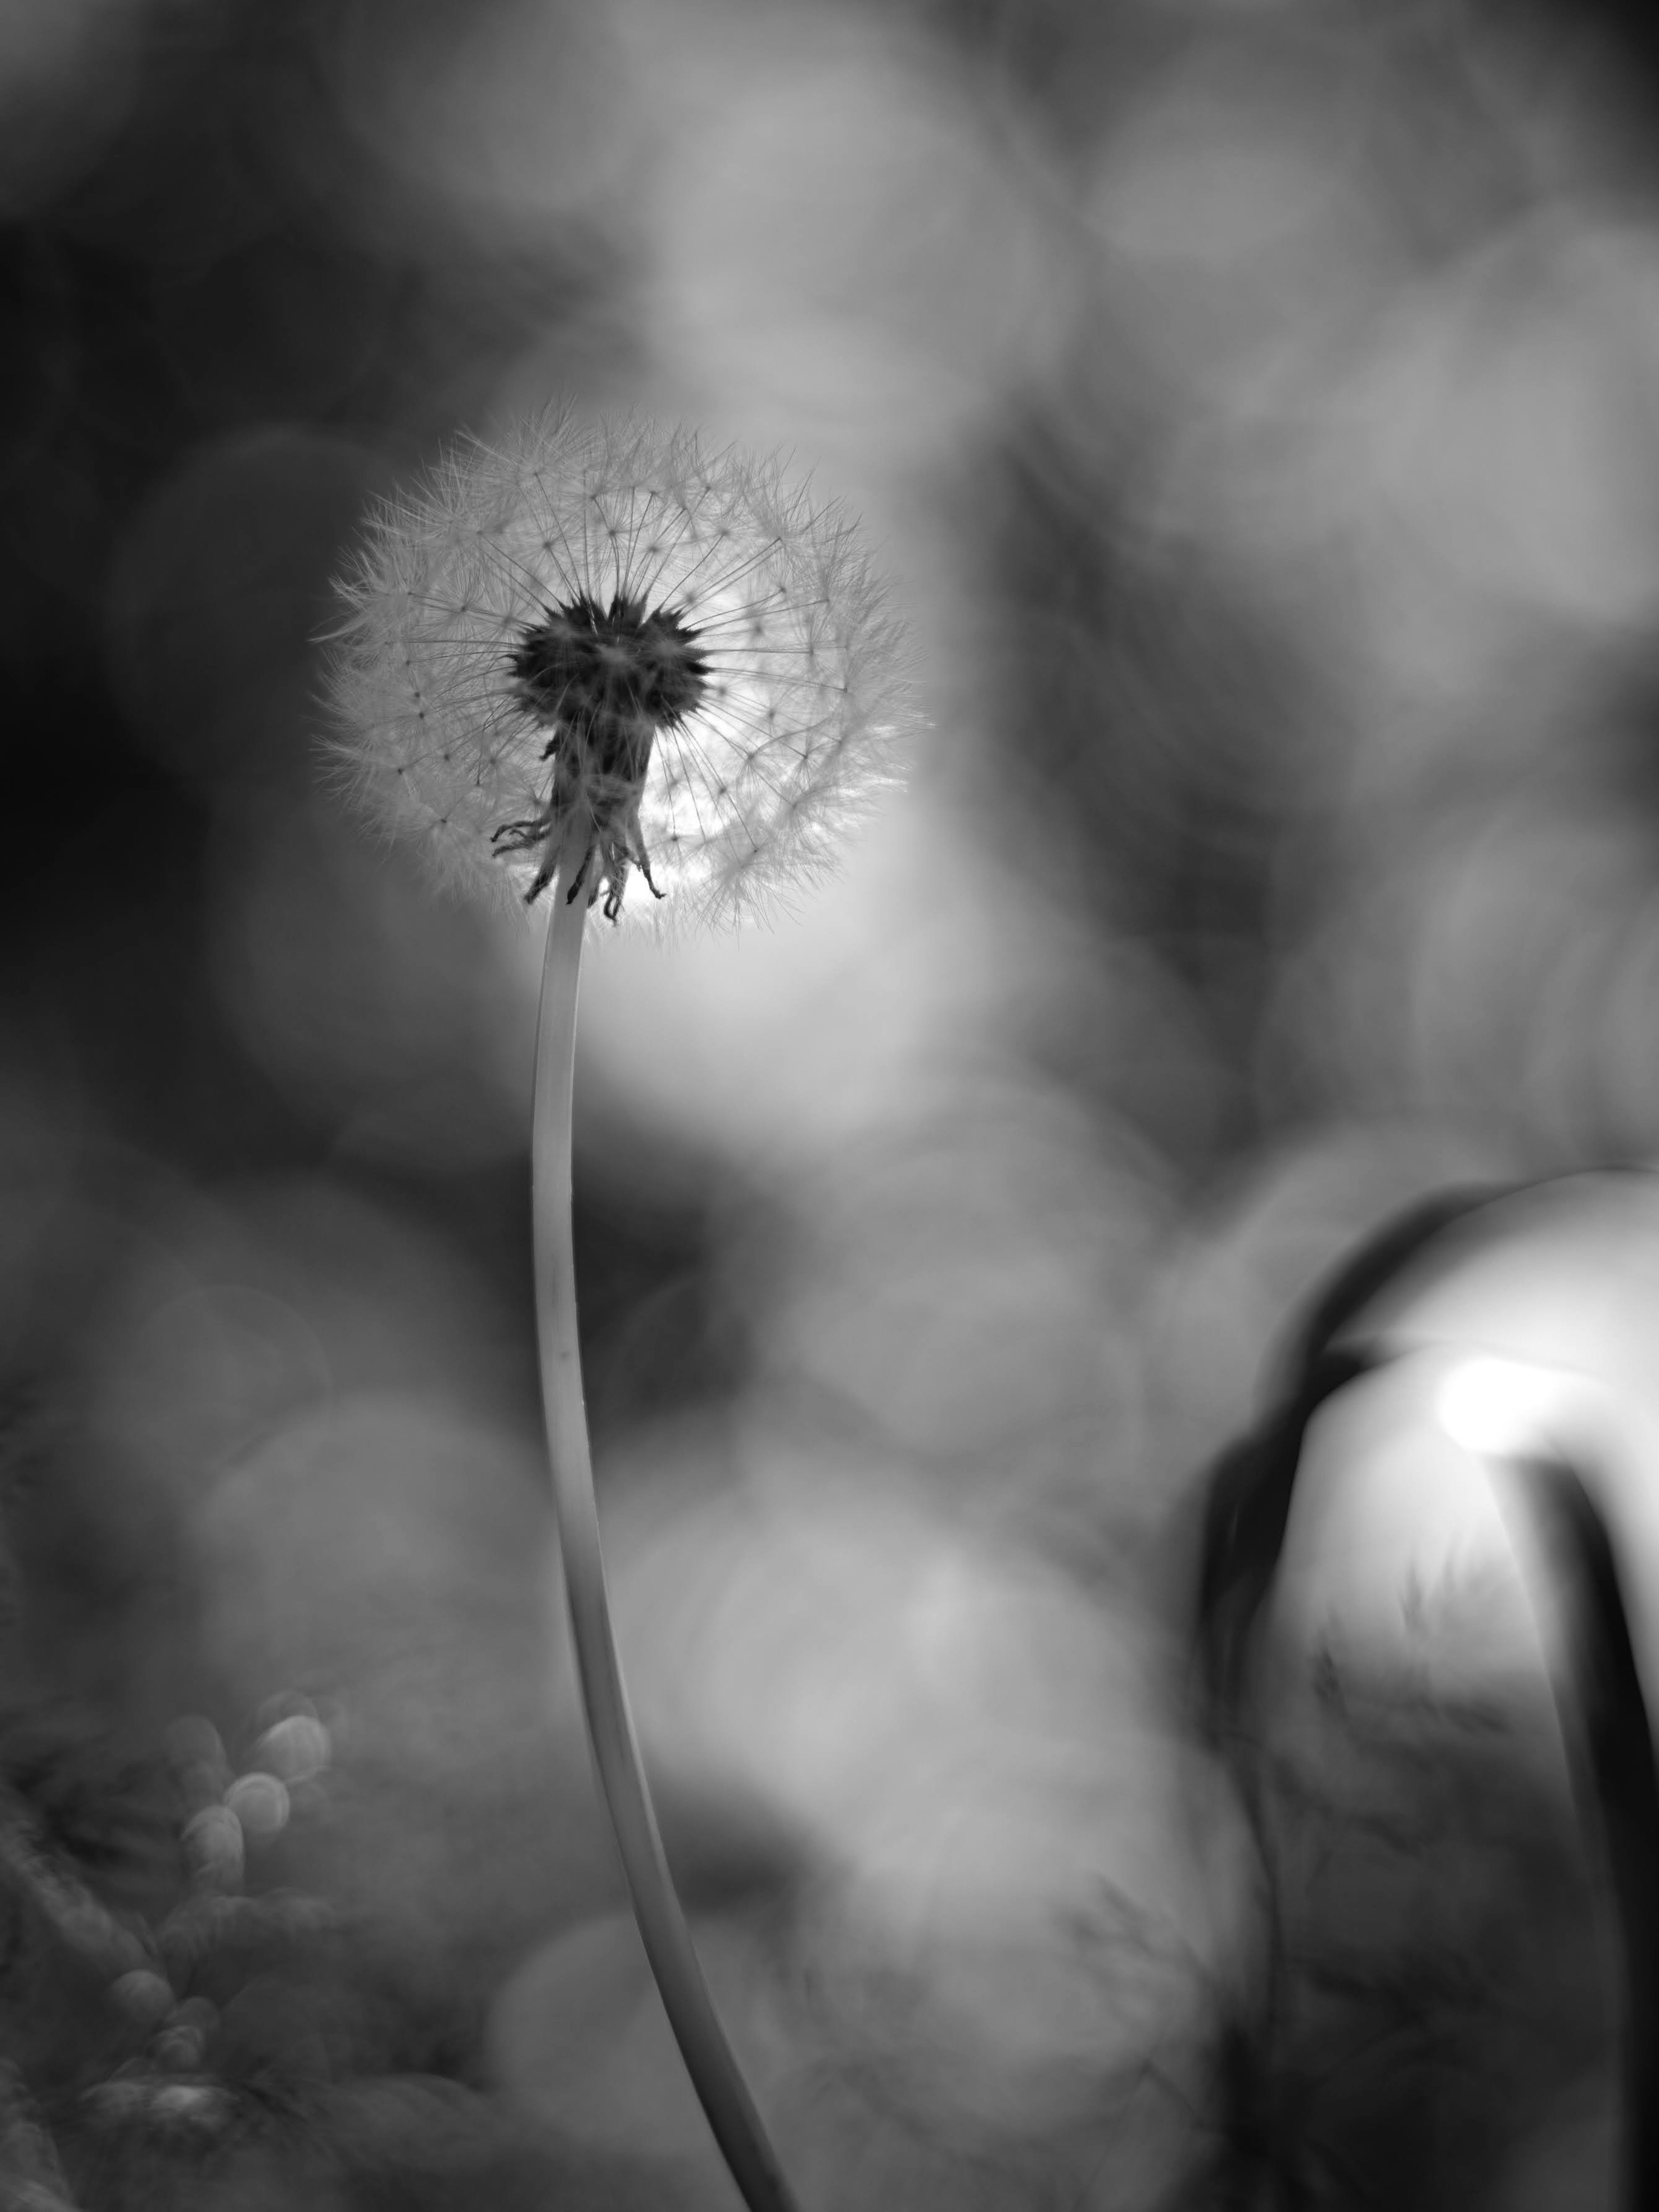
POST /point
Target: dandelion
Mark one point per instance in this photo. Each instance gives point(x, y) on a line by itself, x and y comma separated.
point(603, 639)
point(600, 664)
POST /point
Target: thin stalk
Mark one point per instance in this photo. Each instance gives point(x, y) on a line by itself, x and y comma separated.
point(709, 2059)
point(1604, 1718)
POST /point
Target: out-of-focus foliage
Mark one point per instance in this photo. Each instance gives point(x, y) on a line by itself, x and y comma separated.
point(1254, 407)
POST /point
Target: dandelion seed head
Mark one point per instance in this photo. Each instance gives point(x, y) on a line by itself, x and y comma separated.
point(600, 632)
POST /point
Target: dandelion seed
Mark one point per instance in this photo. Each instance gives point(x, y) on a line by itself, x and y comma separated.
point(585, 656)
point(599, 633)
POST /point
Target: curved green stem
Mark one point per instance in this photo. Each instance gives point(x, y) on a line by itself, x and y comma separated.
point(708, 2057)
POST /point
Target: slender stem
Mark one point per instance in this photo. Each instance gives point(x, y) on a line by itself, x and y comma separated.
point(1616, 1776)
point(708, 2057)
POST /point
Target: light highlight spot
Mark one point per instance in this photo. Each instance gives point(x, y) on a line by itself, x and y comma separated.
point(1502, 1407)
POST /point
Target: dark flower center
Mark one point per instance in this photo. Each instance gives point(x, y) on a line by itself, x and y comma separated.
point(610, 678)
point(603, 681)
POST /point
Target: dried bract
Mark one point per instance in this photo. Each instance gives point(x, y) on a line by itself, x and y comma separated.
point(600, 632)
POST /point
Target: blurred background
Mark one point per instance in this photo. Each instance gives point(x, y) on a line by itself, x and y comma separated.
point(1255, 404)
